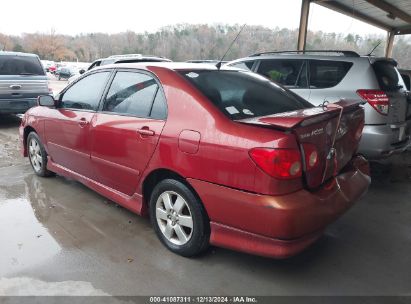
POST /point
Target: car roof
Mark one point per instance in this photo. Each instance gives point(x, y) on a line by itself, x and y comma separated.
point(17, 54)
point(176, 66)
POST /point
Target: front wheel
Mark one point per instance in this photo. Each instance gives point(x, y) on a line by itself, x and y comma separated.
point(37, 155)
point(179, 218)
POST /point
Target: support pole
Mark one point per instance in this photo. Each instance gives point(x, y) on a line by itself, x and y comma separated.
point(302, 34)
point(389, 44)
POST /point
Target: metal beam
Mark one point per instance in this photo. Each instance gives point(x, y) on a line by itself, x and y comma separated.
point(391, 9)
point(302, 32)
point(403, 31)
point(352, 12)
point(389, 44)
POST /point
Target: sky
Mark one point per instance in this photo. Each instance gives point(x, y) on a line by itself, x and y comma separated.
point(81, 16)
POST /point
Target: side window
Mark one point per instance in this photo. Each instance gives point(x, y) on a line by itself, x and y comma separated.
point(245, 65)
point(290, 73)
point(85, 94)
point(131, 93)
point(327, 74)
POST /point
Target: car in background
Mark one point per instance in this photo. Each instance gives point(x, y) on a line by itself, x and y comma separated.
point(328, 76)
point(214, 156)
point(22, 79)
point(66, 72)
point(209, 61)
point(125, 58)
point(48, 65)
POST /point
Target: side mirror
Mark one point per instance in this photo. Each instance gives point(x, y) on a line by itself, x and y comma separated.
point(82, 71)
point(46, 101)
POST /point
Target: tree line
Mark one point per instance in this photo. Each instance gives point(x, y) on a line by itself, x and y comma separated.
point(194, 41)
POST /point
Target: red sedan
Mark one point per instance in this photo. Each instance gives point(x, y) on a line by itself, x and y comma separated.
point(214, 156)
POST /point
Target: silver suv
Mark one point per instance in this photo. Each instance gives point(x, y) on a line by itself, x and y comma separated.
point(22, 79)
point(320, 76)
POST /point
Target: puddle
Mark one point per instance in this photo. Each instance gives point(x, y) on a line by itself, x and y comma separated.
point(31, 287)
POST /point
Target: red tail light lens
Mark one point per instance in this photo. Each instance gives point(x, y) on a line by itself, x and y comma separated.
point(311, 156)
point(377, 99)
point(278, 163)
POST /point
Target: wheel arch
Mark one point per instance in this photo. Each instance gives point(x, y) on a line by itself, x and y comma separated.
point(27, 131)
point(156, 176)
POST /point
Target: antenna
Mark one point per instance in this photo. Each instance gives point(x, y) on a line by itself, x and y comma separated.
point(377, 45)
point(218, 65)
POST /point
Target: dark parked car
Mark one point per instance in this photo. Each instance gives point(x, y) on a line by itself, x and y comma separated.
point(66, 72)
point(22, 79)
point(223, 157)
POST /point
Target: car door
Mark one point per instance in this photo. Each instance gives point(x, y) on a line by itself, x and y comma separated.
point(291, 73)
point(67, 129)
point(126, 131)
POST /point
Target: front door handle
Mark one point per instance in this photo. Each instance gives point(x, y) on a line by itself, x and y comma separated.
point(83, 122)
point(145, 131)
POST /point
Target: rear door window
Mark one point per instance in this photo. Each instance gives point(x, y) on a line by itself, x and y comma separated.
point(135, 94)
point(326, 73)
point(388, 76)
point(240, 94)
point(290, 73)
point(20, 65)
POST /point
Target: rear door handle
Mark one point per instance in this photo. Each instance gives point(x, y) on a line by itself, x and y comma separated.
point(146, 131)
point(83, 122)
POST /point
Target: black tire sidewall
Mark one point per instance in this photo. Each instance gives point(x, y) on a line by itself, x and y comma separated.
point(201, 226)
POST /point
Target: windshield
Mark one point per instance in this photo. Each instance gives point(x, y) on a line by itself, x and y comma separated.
point(240, 94)
point(20, 65)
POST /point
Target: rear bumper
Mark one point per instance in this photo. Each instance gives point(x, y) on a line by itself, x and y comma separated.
point(380, 141)
point(15, 106)
point(279, 226)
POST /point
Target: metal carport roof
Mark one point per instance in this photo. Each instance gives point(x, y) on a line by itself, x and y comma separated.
point(393, 16)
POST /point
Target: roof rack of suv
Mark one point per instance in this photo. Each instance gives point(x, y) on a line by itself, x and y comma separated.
point(344, 53)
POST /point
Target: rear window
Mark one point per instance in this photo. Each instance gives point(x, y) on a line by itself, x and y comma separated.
point(326, 73)
point(240, 94)
point(20, 65)
point(388, 76)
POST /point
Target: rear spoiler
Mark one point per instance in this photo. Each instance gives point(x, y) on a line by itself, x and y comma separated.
point(305, 117)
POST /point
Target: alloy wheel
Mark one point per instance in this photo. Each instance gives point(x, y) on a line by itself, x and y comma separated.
point(174, 217)
point(35, 155)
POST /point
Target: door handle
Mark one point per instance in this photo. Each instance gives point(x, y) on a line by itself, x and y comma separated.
point(83, 122)
point(145, 131)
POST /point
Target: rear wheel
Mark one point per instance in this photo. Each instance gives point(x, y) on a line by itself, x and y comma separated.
point(179, 218)
point(37, 155)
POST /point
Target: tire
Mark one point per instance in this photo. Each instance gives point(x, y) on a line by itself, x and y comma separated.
point(173, 209)
point(37, 155)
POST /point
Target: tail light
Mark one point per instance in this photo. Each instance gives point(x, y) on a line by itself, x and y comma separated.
point(278, 163)
point(377, 99)
point(310, 156)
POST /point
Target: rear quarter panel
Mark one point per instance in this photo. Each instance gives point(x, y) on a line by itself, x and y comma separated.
point(222, 156)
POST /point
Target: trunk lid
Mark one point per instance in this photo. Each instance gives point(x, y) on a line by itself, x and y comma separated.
point(317, 127)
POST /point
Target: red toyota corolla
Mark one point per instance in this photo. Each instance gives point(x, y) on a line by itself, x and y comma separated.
point(222, 157)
